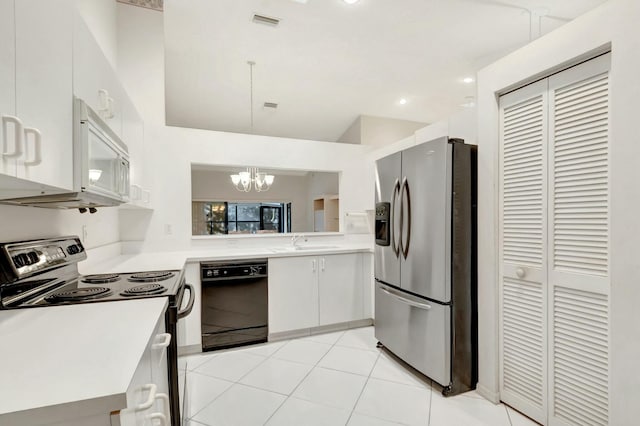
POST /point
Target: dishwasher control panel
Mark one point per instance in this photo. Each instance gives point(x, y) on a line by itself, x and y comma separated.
point(213, 271)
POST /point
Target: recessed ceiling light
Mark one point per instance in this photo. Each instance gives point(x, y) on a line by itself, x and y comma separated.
point(468, 80)
point(351, 1)
point(402, 101)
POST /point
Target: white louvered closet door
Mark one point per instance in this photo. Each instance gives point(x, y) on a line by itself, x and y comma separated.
point(579, 245)
point(523, 284)
point(554, 254)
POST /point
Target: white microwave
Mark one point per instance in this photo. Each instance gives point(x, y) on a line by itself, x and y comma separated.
point(101, 159)
point(100, 167)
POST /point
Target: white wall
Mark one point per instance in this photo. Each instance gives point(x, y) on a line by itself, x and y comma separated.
point(381, 131)
point(101, 18)
point(24, 223)
point(614, 23)
point(172, 150)
point(178, 148)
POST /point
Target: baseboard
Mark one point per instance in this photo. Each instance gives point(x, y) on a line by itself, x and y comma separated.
point(488, 394)
point(330, 328)
point(189, 350)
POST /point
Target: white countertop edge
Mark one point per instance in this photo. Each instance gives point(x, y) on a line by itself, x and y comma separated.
point(176, 260)
point(60, 413)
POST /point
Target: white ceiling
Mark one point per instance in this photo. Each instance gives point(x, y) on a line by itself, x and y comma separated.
point(329, 62)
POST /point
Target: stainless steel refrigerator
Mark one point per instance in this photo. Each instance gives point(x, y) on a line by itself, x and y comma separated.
point(425, 260)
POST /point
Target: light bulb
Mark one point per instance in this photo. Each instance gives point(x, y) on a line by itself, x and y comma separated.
point(235, 179)
point(269, 179)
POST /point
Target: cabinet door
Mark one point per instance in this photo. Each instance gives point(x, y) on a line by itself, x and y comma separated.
point(133, 137)
point(92, 73)
point(159, 367)
point(293, 293)
point(43, 87)
point(340, 288)
point(7, 80)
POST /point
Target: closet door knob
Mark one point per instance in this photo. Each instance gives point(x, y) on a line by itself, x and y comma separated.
point(520, 272)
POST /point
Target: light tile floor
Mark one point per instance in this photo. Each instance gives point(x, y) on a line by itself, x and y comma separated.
point(330, 379)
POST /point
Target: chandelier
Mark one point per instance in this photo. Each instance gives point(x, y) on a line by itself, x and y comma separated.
point(260, 181)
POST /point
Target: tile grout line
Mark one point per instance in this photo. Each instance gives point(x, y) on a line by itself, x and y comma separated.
point(232, 383)
point(303, 379)
point(508, 415)
point(363, 387)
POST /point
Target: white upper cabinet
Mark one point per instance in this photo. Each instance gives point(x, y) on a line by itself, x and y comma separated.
point(94, 80)
point(7, 86)
point(36, 90)
point(133, 137)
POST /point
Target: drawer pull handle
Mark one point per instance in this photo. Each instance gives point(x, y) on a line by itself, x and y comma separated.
point(406, 301)
point(152, 388)
point(158, 416)
point(165, 342)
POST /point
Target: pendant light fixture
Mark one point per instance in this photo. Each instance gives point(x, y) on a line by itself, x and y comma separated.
point(252, 178)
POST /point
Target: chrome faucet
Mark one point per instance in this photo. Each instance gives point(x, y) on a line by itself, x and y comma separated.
point(296, 237)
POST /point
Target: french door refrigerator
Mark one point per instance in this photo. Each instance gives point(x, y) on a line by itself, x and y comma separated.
point(425, 260)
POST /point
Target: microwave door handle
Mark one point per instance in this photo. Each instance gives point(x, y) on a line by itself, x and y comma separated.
point(405, 191)
point(392, 225)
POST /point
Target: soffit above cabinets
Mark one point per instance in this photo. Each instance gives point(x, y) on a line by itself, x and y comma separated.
point(328, 62)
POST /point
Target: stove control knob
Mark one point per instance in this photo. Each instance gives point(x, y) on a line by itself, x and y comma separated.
point(33, 258)
point(21, 260)
point(73, 249)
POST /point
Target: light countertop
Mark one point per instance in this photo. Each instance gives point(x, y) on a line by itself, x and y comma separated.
point(176, 259)
point(57, 355)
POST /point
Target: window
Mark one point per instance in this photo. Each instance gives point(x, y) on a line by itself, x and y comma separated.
point(224, 217)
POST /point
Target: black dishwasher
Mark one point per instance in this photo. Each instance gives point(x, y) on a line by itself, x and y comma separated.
point(234, 303)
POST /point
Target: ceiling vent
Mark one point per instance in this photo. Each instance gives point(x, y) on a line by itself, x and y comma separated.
point(265, 20)
point(271, 105)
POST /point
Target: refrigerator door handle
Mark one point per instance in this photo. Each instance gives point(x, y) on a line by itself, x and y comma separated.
point(405, 191)
point(395, 246)
point(406, 301)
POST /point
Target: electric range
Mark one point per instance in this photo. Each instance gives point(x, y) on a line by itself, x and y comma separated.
point(41, 273)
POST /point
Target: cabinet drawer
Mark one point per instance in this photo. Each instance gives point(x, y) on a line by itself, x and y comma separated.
point(416, 330)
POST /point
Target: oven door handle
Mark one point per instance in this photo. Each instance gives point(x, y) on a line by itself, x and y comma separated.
point(192, 298)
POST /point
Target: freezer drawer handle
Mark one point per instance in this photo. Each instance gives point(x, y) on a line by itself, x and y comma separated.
point(407, 301)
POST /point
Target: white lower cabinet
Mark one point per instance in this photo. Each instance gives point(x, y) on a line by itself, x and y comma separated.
point(310, 291)
point(148, 392)
point(340, 288)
